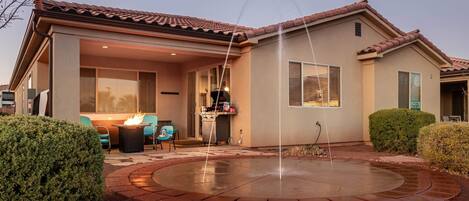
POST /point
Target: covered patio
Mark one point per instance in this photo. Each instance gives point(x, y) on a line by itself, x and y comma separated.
point(109, 77)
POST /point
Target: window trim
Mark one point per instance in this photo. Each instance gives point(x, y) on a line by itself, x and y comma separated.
point(410, 90)
point(97, 68)
point(328, 85)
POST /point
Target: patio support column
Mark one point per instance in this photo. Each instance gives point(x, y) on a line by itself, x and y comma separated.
point(368, 82)
point(66, 77)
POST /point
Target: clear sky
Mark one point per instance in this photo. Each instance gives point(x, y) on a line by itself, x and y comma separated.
point(445, 23)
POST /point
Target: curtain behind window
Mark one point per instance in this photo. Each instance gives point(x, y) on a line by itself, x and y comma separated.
point(294, 89)
point(87, 90)
point(403, 90)
point(147, 92)
point(334, 84)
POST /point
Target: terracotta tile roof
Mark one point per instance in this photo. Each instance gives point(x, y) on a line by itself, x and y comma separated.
point(361, 5)
point(198, 24)
point(401, 40)
point(392, 43)
point(150, 18)
point(459, 65)
point(215, 27)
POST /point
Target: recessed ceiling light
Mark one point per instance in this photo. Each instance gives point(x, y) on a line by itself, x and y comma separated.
point(105, 46)
point(173, 54)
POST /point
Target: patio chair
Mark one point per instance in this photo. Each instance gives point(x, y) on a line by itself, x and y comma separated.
point(104, 138)
point(445, 118)
point(167, 134)
point(150, 131)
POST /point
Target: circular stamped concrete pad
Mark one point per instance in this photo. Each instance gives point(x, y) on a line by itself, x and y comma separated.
point(260, 178)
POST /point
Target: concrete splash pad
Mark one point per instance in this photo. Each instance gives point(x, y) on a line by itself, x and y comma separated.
point(259, 178)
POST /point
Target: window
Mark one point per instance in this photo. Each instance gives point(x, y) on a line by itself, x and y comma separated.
point(313, 85)
point(117, 91)
point(409, 91)
point(358, 29)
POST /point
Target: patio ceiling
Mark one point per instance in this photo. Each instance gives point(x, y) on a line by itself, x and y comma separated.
point(140, 52)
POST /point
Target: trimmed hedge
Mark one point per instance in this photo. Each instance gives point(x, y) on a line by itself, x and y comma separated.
point(396, 130)
point(446, 145)
point(46, 159)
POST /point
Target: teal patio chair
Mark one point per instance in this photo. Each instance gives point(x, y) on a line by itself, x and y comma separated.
point(167, 134)
point(104, 138)
point(150, 131)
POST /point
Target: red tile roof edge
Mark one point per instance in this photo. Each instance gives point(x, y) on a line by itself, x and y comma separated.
point(459, 64)
point(210, 26)
point(161, 19)
point(391, 43)
point(318, 16)
point(197, 24)
point(401, 40)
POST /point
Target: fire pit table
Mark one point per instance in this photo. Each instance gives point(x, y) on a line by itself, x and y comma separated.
point(131, 137)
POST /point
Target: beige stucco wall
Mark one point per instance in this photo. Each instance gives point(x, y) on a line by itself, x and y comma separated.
point(241, 82)
point(409, 59)
point(39, 81)
point(334, 44)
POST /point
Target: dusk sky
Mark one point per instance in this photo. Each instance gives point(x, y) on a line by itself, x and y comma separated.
point(445, 23)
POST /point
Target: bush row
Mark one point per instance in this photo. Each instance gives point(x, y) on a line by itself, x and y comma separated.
point(446, 145)
point(396, 130)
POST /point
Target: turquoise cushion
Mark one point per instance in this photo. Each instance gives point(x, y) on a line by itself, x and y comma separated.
point(86, 121)
point(165, 138)
point(169, 130)
point(148, 131)
point(103, 136)
point(104, 141)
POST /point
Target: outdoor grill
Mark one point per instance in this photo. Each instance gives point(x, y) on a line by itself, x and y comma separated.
point(131, 138)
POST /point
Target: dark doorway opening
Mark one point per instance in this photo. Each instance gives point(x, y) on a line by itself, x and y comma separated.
point(454, 99)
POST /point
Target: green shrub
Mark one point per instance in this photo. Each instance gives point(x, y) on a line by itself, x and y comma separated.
point(46, 159)
point(396, 130)
point(446, 145)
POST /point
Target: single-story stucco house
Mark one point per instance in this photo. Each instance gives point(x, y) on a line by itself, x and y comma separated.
point(108, 63)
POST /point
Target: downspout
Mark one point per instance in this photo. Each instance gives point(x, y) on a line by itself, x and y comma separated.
point(49, 98)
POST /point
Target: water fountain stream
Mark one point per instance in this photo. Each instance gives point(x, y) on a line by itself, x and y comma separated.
point(243, 7)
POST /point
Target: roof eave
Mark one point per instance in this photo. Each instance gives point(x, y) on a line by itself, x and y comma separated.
point(25, 42)
point(368, 56)
point(373, 55)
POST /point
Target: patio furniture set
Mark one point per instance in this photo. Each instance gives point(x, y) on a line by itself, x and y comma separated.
point(132, 137)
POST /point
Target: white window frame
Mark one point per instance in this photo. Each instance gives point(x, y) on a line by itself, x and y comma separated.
point(328, 84)
point(410, 90)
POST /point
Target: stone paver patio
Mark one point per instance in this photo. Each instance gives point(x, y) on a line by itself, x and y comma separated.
point(133, 178)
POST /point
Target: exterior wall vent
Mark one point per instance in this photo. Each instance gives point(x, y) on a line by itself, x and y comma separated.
point(358, 29)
